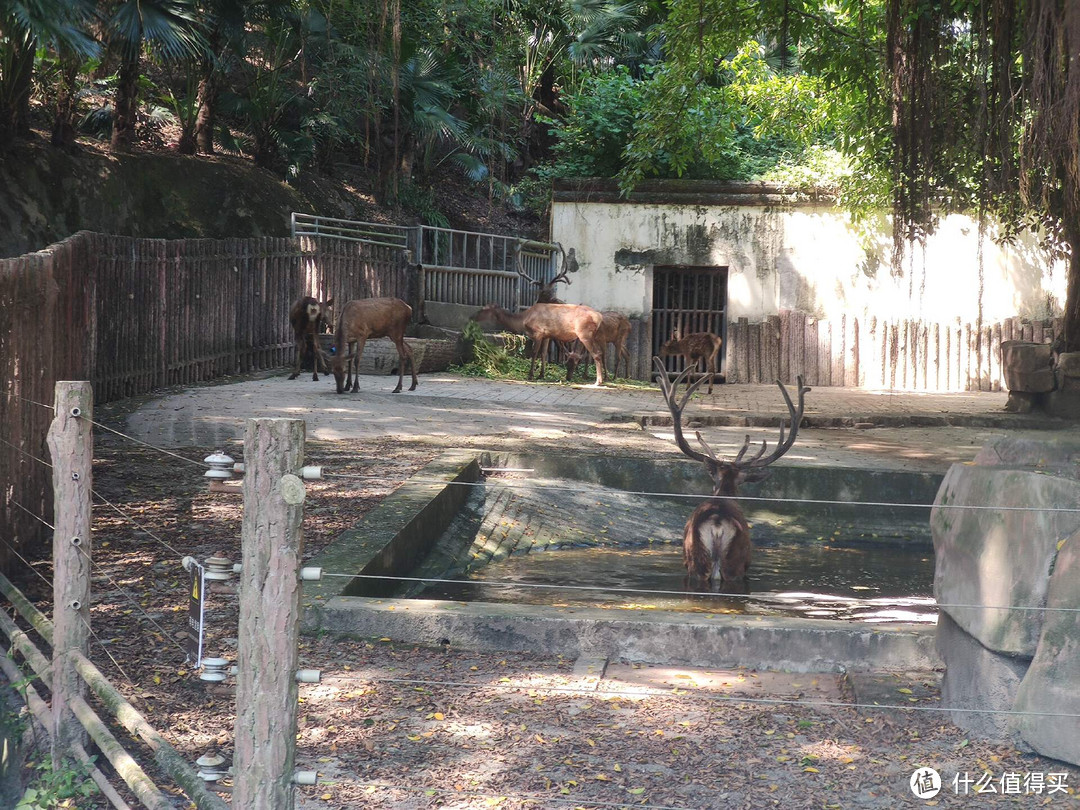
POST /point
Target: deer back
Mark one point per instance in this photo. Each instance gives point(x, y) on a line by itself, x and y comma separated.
point(373, 318)
point(563, 322)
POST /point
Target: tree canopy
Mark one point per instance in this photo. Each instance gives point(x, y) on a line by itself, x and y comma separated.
point(919, 107)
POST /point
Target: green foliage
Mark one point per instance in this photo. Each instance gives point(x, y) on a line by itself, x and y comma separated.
point(51, 789)
point(504, 359)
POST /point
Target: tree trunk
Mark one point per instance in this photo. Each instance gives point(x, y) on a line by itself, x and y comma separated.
point(63, 131)
point(127, 94)
point(1072, 287)
point(206, 108)
point(15, 88)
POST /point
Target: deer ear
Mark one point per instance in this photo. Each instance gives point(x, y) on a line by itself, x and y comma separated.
point(329, 302)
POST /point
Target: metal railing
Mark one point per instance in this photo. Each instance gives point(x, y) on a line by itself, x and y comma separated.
point(375, 233)
point(458, 267)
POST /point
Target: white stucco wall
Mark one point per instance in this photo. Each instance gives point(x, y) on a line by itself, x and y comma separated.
point(811, 258)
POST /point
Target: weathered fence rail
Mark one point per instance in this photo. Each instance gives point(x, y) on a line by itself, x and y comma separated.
point(903, 355)
point(132, 315)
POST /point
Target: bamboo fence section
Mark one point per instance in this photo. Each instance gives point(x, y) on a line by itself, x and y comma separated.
point(134, 315)
point(899, 355)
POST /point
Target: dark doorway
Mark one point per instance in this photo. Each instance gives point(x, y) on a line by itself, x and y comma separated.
point(685, 300)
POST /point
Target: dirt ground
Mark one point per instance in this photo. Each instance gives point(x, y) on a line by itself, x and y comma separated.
point(405, 727)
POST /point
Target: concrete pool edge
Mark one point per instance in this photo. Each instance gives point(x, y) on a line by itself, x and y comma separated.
point(658, 637)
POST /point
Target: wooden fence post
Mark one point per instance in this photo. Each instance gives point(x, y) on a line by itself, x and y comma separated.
point(266, 688)
point(71, 447)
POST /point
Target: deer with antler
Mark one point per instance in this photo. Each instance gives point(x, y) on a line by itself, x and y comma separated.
point(716, 539)
point(543, 322)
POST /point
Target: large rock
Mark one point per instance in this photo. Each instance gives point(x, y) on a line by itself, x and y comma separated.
point(1051, 687)
point(1027, 366)
point(982, 682)
point(993, 565)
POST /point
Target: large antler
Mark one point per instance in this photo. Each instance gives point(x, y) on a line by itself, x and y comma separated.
point(570, 265)
point(669, 388)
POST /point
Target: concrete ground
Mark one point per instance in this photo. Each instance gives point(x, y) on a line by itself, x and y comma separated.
point(886, 430)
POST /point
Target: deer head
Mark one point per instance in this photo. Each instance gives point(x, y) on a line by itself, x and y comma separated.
point(727, 476)
point(545, 293)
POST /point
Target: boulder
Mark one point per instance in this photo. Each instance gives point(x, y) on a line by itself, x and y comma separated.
point(1051, 687)
point(979, 680)
point(993, 565)
point(1027, 366)
point(1034, 451)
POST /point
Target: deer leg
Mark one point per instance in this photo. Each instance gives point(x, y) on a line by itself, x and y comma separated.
point(538, 346)
point(593, 349)
point(299, 357)
point(356, 363)
point(404, 352)
point(315, 357)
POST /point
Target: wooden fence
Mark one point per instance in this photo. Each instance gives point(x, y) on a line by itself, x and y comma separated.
point(906, 355)
point(133, 315)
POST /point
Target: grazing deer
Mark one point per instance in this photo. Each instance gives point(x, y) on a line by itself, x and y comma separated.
point(370, 318)
point(309, 318)
point(716, 539)
point(543, 322)
point(615, 329)
point(694, 347)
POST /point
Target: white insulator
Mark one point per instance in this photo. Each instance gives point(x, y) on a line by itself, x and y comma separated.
point(211, 767)
point(311, 573)
point(214, 670)
point(308, 676)
point(305, 777)
point(237, 568)
point(311, 473)
point(218, 569)
point(234, 670)
point(187, 562)
point(220, 466)
point(238, 467)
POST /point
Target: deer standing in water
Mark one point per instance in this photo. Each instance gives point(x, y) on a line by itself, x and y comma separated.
point(716, 538)
point(543, 322)
point(309, 318)
point(367, 318)
point(694, 347)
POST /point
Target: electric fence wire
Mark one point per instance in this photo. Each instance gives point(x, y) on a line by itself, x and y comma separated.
point(135, 523)
point(27, 563)
point(35, 516)
point(525, 484)
point(202, 464)
point(31, 401)
point(493, 797)
point(18, 449)
point(105, 649)
point(902, 602)
point(123, 592)
point(680, 692)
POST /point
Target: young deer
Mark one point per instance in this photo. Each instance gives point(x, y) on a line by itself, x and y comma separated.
point(309, 318)
point(614, 329)
point(694, 347)
point(716, 538)
point(543, 322)
point(370, 318)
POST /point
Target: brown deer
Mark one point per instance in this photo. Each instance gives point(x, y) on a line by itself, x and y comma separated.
point(543, 322)
point(716, 538)
point(367, 318)
point(615, 329)
point(309, 318)
point(694, 347)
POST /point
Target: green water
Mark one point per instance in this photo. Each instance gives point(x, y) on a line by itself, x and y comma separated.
point(609, 548)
